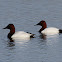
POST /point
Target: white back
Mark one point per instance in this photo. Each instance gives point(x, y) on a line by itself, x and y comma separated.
point(50, 31)
point(21, 35)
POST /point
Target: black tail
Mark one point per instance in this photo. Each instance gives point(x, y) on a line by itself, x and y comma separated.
point(60, 31)
point(32, 36)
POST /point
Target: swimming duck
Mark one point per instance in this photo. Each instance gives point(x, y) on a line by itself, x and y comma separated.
point(21, 35)
point(48, 31)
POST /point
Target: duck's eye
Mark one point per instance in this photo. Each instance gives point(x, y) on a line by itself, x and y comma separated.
point(41, 22)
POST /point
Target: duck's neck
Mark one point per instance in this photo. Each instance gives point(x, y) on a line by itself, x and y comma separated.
point(43, 27)
point(12, 31)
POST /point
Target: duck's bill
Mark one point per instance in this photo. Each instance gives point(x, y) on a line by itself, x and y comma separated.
point(37, 24)
point(5, 28)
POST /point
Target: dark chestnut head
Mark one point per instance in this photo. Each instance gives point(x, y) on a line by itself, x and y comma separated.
point(9, 26)
point(41, 23)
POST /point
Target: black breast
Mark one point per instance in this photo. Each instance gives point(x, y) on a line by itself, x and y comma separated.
point(9, 36)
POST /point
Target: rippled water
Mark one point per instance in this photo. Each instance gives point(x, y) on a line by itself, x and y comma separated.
point(24, 14)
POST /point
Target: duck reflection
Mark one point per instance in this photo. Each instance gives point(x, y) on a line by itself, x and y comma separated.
point(43, 36)
point(10, 43)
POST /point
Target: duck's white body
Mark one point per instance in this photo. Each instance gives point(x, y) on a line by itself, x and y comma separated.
point(50, 31)
point(21, 35)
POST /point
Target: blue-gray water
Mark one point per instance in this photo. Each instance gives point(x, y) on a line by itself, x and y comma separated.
point(24, 14)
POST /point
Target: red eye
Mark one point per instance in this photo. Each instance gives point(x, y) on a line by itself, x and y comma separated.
point(41, 22)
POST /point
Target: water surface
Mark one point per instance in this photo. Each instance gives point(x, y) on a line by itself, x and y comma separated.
point(24, 14)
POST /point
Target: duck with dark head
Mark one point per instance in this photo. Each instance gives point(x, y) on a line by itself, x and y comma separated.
point(48, 31)
point(20, 35)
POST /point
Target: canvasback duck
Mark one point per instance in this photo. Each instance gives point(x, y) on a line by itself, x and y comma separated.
point(48, 31)
point(20, 35)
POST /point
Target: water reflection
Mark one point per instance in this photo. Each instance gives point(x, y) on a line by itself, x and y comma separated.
point(11, 44)
point(42, 36)
point(50, 39)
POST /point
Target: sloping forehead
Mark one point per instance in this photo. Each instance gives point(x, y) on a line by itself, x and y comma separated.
point(42, 21)
point(10, 25)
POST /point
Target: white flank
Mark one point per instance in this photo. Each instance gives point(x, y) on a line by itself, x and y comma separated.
point(21, 35)
point(50, 31)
